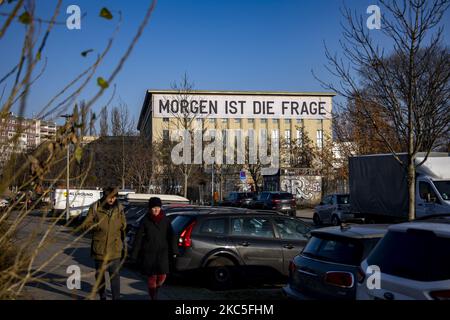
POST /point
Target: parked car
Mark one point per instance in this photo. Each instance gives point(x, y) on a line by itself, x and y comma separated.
point(238, 199)
point(333, 209)
point(328, 265)
point(171, 211)
point(144, 197)
point(414, 262)
point(226, 246)
point(283, 202)
point(4, 203)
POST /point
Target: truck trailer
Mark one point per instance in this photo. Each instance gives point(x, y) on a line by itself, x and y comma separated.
point(379, 186)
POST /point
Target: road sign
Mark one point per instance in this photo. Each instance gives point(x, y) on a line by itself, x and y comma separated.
point(242, 176)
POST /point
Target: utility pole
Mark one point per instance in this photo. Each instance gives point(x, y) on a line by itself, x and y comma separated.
point(212, 184)
point(67, 116)
point(123, 162)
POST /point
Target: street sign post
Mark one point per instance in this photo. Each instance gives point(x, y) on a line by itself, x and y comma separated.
point(242, 176)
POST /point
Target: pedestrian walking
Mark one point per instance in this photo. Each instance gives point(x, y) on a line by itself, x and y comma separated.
point(155, 245)
point(106, 220)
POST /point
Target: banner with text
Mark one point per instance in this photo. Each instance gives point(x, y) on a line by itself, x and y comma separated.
point(242, 106)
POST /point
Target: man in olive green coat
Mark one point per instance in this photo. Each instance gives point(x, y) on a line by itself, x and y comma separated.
point(107, 222)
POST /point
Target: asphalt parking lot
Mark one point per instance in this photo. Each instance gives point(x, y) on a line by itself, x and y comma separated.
point(51, 281)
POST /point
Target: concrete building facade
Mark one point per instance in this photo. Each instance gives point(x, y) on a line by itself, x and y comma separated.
point(18, 134)
point(281, 114)
point(156, 121)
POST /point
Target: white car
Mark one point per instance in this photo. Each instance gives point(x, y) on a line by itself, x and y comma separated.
point(413, 260)
point(4, 203)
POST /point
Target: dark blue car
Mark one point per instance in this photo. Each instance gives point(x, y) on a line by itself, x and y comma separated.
point(327, 268)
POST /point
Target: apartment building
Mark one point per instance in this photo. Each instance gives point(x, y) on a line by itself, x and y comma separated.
point(18, 134)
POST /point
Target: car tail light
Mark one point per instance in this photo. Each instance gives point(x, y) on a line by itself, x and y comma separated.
point(360, 275)
point(339, 279)
point(185, 237)
point(440, 295)
point(292, 266)
point(276, 201)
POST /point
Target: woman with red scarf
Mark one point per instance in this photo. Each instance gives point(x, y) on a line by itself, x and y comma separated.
point(155, 244)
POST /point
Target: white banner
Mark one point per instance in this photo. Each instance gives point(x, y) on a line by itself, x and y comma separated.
point(241, 106)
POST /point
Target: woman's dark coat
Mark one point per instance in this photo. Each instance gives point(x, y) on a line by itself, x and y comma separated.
point(154, 246)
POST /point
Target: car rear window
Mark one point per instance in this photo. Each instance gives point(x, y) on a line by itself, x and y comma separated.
point(417, 255)
point(180, 223)
point(282, 196)
point(336, 250)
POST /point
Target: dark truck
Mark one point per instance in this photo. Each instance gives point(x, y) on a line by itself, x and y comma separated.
point(379, 187)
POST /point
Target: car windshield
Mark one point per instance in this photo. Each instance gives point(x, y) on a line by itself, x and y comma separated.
point(443, 188)
point(337, 250)
point(282, 196)
point(343, 199)
point(416, 254)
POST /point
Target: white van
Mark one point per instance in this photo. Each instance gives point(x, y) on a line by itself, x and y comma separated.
point(79, 199)
point(165, 198)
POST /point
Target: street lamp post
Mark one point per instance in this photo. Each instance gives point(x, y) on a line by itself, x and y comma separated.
point(67, 116)
point(212, 184)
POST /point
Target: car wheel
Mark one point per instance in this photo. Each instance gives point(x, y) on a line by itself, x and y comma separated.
point(316, 219)
point(335, 221)
point(221, 273)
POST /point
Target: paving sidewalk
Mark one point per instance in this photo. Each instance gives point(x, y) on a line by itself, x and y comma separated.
point(305, 213)
point(53, 284)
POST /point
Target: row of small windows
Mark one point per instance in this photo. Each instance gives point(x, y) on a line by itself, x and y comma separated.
point(275, 135)
point(224, 120)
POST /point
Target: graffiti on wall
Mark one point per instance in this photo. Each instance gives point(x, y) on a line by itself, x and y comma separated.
point(307, 188)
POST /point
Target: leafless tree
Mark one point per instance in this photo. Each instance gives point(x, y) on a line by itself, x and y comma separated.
point(187, 121)
point(407, 85)
point(19, 263)
point(104, 126)
point(121, 122)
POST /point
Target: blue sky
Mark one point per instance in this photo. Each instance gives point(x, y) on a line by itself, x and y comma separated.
point(262, 45)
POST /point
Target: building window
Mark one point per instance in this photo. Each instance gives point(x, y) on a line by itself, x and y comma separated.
point(275, 121)
point(319, 138)
point(287, 121)
point(224, 139)
point(165, 119)
point(275, 135)
point(299, 137)
point(263, 120)
point(165, 135)
point(237, 120)
point(251, 120)
point(287, 135)
point(298, 120)
point(211, 120)
point(225, 121)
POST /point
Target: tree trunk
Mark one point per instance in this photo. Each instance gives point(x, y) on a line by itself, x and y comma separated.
point(185, 185)
point(412, 189)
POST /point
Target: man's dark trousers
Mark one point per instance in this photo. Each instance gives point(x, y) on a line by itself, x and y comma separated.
point(113, 268)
